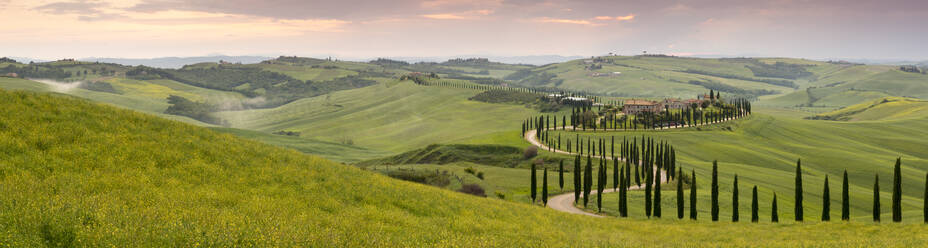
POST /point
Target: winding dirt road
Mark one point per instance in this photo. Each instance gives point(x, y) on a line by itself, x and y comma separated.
point(565, 202)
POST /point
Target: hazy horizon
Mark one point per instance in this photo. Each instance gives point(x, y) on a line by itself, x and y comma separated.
point(828, 29)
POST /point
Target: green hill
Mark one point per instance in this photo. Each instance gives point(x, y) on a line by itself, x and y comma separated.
point(889, 108)
point(762, 150)
point(391, 116)
point(75, 173)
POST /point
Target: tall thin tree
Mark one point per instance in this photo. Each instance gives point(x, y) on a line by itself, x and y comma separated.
point(587, 180)
point(534, 183)
point(754, 216)
point(693, 197)
point(897, 191)
point(845, 200)
point(544, 187)
point(774, 215)
point(735, 216)
point(876, 199)
point(715, 190)
point(560, 175)
point(797, 211)
point(826, 202)
point(680, 203)
point(657, 194)
point(577, 181)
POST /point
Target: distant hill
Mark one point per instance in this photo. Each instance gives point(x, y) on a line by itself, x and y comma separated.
point(888, 108)
point(178, 62)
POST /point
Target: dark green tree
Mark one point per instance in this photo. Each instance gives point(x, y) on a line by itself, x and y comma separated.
point(897, 191)
point(560, 174)
point(826, 202)
point(657, 194)
point(623, 185)
point(534, 183)
point(715, 191)
point(876, 199)
point(735, 216)
point(845, 200)
point(587, 180)
point(693, 197)
point(600, 185)
point(577, 183)
point(754, 216)
point(544, 187)
point(774, 216)
point(798, 207)
point(680, 203)
point(615, 173)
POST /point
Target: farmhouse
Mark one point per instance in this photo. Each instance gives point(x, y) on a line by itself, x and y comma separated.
point(674, 103)
point(11, 74)
point(634, 106)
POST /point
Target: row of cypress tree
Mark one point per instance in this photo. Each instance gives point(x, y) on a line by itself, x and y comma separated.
point(583, 189)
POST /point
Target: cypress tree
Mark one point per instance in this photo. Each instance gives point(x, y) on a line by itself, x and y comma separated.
point(680, 203)
point(622, 186)
point(560, 174)
point(798, 207)
point(657, 194)
point(845, 200)
point(587, 180)
point(876, 199)
point(533, 183)
point(925, 199)
point(754, 216)
point(647, 193)
point(544, 189)
point(615, 173)
point(735, 216)
point(693, 197)
point(774, 216)
point(600, 185)
point(826, 202)
point(715, 191)
point(577, 183)
point(897, 191)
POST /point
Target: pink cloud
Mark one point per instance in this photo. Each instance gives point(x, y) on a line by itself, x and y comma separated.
point(566, 21)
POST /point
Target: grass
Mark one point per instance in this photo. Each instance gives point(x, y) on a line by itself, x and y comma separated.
point(763, 149)
point(393, 117)
point(889, 108)
point(76, 173)
point(329, 150)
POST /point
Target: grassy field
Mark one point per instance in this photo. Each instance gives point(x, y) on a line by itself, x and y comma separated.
point(763, 149)
point(392, 116)
point(889, 108)
point(76, 173)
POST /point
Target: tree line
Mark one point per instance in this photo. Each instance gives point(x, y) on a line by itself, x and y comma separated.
point(659, 162)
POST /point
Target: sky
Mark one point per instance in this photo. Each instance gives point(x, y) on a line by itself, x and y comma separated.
point(55, 29)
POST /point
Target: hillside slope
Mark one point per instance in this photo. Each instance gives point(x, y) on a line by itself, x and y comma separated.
point(75, 173)
point(889, 108)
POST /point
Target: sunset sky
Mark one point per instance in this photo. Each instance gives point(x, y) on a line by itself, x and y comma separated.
point(53, 29)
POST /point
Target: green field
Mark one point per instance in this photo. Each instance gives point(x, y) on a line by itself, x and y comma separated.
point(76, 173)
point(392, 116)
point(763, 149)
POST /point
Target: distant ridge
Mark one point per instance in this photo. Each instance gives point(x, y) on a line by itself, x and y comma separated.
point(178, 62)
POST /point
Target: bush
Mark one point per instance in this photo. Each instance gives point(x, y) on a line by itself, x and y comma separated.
point(480, 175)
point(473, 189)
point(470, 170)
point(500, 195)
point(530, 152)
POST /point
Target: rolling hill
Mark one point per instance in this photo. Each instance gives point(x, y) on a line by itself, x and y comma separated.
point(76, 173)
point(889, 108)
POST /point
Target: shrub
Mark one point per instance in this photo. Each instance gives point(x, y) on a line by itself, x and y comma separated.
point(530, 152)
point(470, 170)
point(473, 189)
point(500, 195)
point(480, 175)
